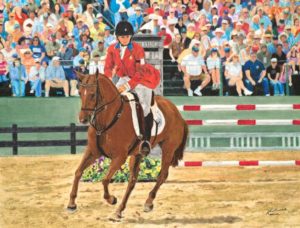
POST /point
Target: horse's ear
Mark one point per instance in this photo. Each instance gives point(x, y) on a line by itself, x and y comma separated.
point(97, 73)
point(80, 75)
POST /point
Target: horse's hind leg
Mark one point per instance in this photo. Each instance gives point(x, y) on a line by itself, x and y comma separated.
point(167, 156)
point(115, 165)
point(86, 161)
point(134, 171)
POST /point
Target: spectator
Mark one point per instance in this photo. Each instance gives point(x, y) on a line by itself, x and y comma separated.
point(108, 38)
point(52, 47)
point(273, 73)
point(136, 19)
point(218, 39)
point(10, 24)
point(294, 57)
point(279, 55)
point(3, 68)
point(17, 34)
point(35, 78)
point(37, 48)
point(175, 49)
point(213, 65)
point(184, 39)
point(192, 66)
point(264, 56)
point(55, 77)
point(27, 60)
point(255, 74)
point(234, 75)
point(18, 78)
point(100, 48)
point(20, 16)
point(8, 52)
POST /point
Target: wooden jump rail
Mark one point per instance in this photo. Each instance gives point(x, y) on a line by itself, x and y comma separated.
point(15, 143)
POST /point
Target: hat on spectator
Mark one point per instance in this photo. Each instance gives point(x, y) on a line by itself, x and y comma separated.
point(27, 51)
point(225, 11)
point(214, 7)
point(183, 30)
point(191, 25)
point(16, 26)
point(12, 14)
point(71, 8)
point(204, 28)
point(218, 30)
point(107, 28)
point(55, 58)
point(275, 37)
point(81, 61)
point(224, 21)
point(287, 27)
point(286, 11)
point(215, 17)
point(153, 16)
point(64, 42)
point(37, 61)
point(268, 35)
point(257, 36)
point(162, 27)
point(183, 6)
point(95, 54)
point(255, 48)
point(48, 25)
point(100, 39)
point(156, 7)
point(15, 55)
point(99, 15)
point(214, 50)
point(172, 21)
point(95, 21)
point(273, 60)
point(65, 15)
point(138, 8)
point(227, 49)
point(195, 49)
point(283, 34)
point(82, 49)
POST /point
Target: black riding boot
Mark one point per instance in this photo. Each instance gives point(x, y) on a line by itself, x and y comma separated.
point(146, 146)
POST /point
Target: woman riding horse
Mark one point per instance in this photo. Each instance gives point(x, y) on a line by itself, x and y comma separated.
point(126, 59)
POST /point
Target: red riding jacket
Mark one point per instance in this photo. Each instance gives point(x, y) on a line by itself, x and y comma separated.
point(131, 66)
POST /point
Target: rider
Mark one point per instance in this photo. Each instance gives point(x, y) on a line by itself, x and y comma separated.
point(126, 59)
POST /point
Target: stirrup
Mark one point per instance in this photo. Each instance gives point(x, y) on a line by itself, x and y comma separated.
point(145, 148)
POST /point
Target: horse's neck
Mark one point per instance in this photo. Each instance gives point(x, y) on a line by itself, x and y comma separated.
point(109, 96)
point(107, 91)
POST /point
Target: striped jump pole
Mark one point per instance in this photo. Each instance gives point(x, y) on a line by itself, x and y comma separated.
point(239, 107)
point(237, 163)
point(243, 122)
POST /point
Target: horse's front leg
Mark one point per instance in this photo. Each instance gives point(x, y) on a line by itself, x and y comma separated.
point(86, 161)
point(134, 171)
point(115, 165)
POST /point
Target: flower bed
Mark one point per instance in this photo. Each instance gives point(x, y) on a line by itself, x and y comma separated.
point(149, 170)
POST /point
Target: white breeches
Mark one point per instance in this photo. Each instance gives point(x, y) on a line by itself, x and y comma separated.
point(144, 94)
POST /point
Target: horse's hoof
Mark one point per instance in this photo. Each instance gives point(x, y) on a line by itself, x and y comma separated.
point(148, 207)
point(116, 217)
point(72, 208)
point(112, 200)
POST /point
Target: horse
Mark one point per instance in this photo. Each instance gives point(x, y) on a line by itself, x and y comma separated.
point(111, 133)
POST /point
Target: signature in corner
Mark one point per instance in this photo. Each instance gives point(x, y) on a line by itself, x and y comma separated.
point(275, 211)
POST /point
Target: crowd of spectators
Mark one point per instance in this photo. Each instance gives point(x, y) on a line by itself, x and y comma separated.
point(245, 44)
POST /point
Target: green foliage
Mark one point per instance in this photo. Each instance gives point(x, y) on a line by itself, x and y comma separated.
point(149, 170)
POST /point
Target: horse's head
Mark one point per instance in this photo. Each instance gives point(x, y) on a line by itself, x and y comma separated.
point(96, 91)
point(88, 91)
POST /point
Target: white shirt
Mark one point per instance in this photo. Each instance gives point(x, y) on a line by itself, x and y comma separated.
point(193, 64)
point(234, 70)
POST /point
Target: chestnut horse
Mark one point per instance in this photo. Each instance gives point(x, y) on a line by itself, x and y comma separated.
point(111, 133)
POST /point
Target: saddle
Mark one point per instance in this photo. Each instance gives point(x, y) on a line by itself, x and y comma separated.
point(138, 115)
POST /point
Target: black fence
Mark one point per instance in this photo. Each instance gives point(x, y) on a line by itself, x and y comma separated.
point(15, 143)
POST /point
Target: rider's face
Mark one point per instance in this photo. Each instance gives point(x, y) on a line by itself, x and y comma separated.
point(124, 40)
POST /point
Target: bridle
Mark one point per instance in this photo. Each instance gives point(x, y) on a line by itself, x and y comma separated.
point(101, 107)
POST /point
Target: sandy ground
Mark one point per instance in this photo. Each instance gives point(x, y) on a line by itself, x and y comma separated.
point(34, 193)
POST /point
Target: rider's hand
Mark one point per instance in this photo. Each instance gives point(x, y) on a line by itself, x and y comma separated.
point(122, 88)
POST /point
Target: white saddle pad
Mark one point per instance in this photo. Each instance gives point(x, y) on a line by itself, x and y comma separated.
point(158, 117)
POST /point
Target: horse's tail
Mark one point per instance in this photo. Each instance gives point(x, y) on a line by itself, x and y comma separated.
point(178, 155)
